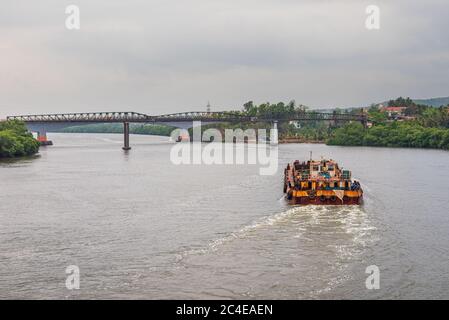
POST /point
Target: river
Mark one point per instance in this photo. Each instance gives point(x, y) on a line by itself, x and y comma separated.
point(138, 226)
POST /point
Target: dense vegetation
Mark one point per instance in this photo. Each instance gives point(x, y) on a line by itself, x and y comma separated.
point(308, 130)
point(428, 129)
point(428, 126)
point(394, 134)
point(158, 130)
point(269, 110)
point(16, 141)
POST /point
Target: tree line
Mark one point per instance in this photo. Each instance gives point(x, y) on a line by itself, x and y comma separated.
point(428, 129)
point(147, 129)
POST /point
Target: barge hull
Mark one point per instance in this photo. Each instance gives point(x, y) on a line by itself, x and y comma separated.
point(317, 201)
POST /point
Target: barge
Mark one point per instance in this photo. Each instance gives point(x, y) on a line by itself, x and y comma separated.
point(320, 182)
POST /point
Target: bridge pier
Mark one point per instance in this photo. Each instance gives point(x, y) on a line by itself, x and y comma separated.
point(126, 136)
point(42, 138)
point(365, 123)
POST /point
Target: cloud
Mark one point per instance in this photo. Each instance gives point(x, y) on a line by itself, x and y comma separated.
point(167, 56)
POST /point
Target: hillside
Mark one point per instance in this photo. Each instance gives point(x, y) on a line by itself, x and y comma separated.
point(434, 102)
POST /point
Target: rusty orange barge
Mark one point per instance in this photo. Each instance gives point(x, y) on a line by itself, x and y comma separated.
point(320, 183)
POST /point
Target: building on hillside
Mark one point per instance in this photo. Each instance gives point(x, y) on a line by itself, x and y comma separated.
point(394, 113)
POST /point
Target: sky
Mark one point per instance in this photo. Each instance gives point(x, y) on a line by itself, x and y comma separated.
point(164, 56)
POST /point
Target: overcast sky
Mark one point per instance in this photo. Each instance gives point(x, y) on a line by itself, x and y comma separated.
point(162, 56)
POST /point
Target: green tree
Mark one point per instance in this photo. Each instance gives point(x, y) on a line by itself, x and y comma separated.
point(350, 135)
point(15, 140)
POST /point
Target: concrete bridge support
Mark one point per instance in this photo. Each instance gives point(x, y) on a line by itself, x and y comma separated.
point(42, 137)
point(365, 123)
point(126, 136)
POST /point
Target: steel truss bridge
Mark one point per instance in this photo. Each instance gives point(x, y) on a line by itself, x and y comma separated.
point(43, 123)
point(109, 117)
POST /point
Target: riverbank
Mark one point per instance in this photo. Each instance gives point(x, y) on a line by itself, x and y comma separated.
point(406, 134)
point(299, 140)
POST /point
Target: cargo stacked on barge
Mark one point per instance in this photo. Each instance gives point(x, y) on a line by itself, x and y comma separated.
point(321, 183)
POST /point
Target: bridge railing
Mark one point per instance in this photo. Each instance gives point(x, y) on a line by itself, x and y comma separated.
point(84, 117)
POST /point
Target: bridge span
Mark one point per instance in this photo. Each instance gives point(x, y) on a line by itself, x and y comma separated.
point(43, 123)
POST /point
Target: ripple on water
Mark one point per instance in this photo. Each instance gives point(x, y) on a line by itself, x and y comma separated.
point(316, 243)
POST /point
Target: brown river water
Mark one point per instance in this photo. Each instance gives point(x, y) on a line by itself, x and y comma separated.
point(140, 227)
